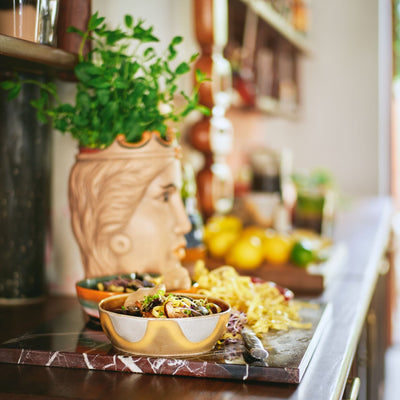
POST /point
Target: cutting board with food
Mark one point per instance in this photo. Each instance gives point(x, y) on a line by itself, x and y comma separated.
point(270, 335)
point(301, 260)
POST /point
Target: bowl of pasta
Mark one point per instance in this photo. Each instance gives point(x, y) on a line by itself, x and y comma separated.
point(154, 323)
point(91, 291)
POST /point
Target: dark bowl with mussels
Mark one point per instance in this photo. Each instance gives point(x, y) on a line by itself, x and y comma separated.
point(92, 290)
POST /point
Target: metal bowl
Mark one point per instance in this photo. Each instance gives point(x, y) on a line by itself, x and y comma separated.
point(162, 336)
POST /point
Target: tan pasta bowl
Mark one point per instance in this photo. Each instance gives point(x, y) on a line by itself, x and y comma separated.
point(162, 336)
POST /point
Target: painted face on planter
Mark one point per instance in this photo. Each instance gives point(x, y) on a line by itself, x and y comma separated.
point(153, 240)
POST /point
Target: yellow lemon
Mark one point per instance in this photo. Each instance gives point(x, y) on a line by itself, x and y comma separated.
point(219, 243)
point(230, 223)
point(245, 253)
point(253, 230)
point(220, 223)
point(277, 248)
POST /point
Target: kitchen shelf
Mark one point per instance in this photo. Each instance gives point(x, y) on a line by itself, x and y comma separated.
point(265, 43)
point(266, 12)
point(24, 56)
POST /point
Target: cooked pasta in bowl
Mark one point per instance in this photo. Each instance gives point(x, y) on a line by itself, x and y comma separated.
point(154, 323)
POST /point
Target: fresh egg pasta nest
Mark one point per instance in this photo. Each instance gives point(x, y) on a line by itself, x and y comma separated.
point(266, 308)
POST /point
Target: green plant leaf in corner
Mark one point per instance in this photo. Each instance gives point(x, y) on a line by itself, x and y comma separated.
point(13, 93)
point(128, 21)
point(95, 21)
point(41, 116)
point(201, 76)
point(194, 57)
point(82, 73)
point(7, 85)
point(182, 68)
point(176, 40)
point(72, 29)
point(203, 109)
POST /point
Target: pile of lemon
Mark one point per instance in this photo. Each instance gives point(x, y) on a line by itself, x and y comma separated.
point(249, 247)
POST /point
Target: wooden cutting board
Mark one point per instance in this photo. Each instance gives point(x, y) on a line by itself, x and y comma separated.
point(304, 281)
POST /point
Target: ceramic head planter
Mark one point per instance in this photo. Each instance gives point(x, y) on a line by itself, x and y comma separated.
point(127, 212)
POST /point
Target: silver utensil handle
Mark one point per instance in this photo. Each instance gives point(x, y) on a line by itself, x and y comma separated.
point(253, 344)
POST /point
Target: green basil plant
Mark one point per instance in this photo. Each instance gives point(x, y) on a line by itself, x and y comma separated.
point(123, 86)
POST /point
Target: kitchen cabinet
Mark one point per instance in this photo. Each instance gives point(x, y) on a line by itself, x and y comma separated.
point(264, 48)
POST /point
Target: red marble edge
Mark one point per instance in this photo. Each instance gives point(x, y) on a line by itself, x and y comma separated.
point(148, 365)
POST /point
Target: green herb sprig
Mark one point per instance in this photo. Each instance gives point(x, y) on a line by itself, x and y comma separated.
point(151, 297)
point(119, 90)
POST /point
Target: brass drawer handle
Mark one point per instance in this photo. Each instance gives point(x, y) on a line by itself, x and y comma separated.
point(355, 389)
